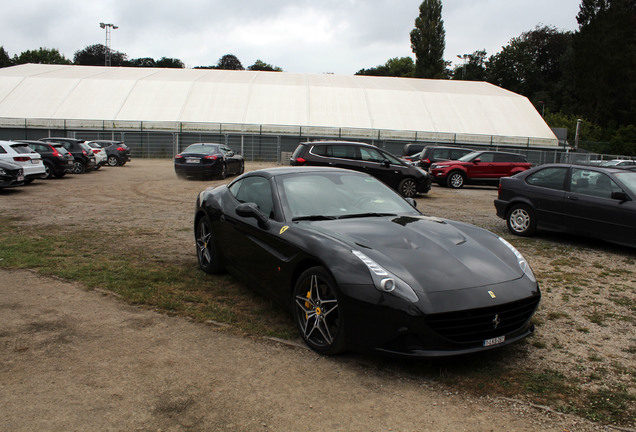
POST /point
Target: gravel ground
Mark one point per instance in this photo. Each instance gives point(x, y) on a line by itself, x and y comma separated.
point(77, 360)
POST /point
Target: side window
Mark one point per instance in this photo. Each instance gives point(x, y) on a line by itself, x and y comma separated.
point(369, 154)
point(505, 158)
point(2, 150)
point(456, 154)
point(592, 183)
point(342, 151)
point(440, 154)
point(255, 190)
point(319, 150)
point(487, 157)
point(552, 178)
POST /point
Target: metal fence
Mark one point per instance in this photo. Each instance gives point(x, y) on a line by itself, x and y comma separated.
point(271, 147)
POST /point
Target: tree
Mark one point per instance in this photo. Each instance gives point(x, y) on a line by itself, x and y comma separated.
point(5, 60)
point(532, 65)
point(229, 62)
point(95, 55)
point(166, 62)
point(142, 62)
point(473, 69)
point(396, 67)
point(428, 41)
point(601, 80)
point(41, 56)
point(260, 65)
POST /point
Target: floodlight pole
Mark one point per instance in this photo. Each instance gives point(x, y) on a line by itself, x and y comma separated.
point(464, 57)
point(107, 26)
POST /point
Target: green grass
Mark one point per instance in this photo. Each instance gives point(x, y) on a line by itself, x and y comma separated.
point(179, 288)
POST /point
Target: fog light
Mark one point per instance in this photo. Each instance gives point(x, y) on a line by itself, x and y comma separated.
point(387, 284)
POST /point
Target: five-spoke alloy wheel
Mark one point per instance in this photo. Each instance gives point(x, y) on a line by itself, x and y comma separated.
point(318, 317)
point(206, 248)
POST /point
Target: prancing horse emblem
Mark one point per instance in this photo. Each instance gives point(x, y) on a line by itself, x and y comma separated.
point(496, 321)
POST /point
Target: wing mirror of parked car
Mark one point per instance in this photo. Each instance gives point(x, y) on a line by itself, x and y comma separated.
point(477, 160)
point(620, 196)
point(411, 201)
point(251, 210)
point(386, 163)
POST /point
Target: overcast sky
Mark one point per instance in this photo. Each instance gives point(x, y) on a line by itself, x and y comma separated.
point(309, 36)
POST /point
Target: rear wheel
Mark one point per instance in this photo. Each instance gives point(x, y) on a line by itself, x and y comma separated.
point(455, 180)
point(407, 188)
point(317, 313)
point(48, 171)
point(79, 167)
point(113, 160)
point(521, 220)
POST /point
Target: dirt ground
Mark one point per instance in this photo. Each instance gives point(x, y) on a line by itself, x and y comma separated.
point(76, 360)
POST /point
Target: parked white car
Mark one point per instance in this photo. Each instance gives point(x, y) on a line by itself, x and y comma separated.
point(23, 155)
point(100, 154)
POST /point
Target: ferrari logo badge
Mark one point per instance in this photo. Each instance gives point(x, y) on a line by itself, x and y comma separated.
point(283, 229)
point(496, 321)
point(492, 294)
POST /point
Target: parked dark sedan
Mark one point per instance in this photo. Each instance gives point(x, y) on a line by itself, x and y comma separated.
point(408, 180)
point(82, 153)
point(361, 268)
point(208, 160)
point(117, 152)
point(11, 175)
point(57, 160)
point(581, 199)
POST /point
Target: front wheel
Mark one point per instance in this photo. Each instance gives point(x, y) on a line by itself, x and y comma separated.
point(206, 248)
point(223, 172)
point(407, 188)
point(112, 160)
point(455, 180)
point(317, 313)
point(521, 220)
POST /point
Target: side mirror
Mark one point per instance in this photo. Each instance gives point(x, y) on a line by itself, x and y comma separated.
point(477, 160)
point(386, 163)
point(411, 201)
point(251, 210)
point(620, 196)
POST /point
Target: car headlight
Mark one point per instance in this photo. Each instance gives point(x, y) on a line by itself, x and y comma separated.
point(520, 260)
point(2, 172)
point(385, 281)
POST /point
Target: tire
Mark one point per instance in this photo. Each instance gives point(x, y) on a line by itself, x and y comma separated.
point(223, 172)
point(242, 169)
point(207, 253)
point(79, 167)
point(407, 188)
point(455, 180)
point(48, 171)
point(521, 221)
point(317, 313)
point(112, 160)
point(59, 174)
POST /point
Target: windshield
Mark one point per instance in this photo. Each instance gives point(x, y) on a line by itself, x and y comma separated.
point(202, 148)
point(628, 178)
point(338, 195)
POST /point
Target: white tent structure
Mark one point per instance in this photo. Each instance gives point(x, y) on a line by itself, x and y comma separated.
point(194, 98)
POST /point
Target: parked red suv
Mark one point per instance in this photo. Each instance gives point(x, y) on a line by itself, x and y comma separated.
point(485, 167)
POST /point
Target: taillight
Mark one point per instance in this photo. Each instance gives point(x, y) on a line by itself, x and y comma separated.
point(56, 153)
point(211, 157)
point(428, 161)
point(21, 158)
point(179, 156)
point(300, 160)
point(84, 153)
point(120, 149)
point(95, 151)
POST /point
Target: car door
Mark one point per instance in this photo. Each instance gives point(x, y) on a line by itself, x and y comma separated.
point(546, 190)
point(254, 250)
point(483, 168)
point(380, 165)
point(590, 210)
point(231, 161)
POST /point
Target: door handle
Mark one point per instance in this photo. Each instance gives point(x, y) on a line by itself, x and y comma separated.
point(573, 198)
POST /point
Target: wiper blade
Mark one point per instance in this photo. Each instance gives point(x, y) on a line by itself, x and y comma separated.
point(313, 218)
point(362, 215)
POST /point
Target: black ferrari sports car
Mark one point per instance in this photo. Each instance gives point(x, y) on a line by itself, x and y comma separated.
point(361, 268)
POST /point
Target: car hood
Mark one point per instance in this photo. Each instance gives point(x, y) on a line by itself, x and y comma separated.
point(429, 253)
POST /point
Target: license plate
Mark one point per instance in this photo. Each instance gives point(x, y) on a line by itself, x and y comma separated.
point(193, 161)
point(20, 178)
point(494, 341)
point(35, 161)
